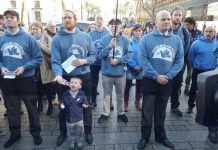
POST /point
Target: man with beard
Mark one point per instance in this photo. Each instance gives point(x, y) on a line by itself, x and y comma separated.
point(177, 29)
point(71, 41)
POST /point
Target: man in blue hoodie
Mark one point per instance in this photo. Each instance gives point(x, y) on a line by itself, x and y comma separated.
point(177, 29)
point(97, 33)
point(115, 51)
point(19, 56)
point(161, 58)
point(69, 41)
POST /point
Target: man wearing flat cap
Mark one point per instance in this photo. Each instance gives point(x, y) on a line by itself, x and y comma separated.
point(19, 56)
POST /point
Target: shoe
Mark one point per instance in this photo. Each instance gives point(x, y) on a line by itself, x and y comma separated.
point(165, 142)
point(89, 138)
point(138, 105)
point(72, 146)
point(2, 133)
point(142, 144)
point(102, 118)
point(122, 118)
point(37, 140)
point(11, 141)
point(189, 110)
point(186, 90)
point(60, 139)
point(176, 111)
point(79, 145)
point(50, 109)
point(212, 136)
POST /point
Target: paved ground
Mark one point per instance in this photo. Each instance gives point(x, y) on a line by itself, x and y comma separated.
point(184, 132)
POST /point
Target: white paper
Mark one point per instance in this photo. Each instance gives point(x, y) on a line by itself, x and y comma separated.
point(67, 65)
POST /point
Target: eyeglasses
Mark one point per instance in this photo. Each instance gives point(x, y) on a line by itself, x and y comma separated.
point(165, 19)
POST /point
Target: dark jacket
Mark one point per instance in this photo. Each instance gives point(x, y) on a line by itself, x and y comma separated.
point(73, 106)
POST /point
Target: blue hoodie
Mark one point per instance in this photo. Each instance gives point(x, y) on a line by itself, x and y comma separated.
point(160, 54)
point(65, 44)
point(185, 37)
point(201, 54)
point(123, 53)
point(96, 36)
point(20, 50)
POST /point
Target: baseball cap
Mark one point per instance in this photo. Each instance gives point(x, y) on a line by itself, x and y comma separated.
point(150, 24)
point(12, 12)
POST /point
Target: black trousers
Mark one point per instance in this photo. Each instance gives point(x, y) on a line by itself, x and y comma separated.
point(193, 89)
point(177, 84)
point(155, 98)
point(13, 90)
point(87, 113)
point(95, 69)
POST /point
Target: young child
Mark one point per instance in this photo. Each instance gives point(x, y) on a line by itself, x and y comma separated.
point(73, 101)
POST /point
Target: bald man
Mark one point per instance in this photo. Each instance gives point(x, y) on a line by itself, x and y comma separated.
point(161, 58)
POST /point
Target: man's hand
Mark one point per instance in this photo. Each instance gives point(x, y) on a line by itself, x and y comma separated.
point(62, 106)
point(4, 70)
point(162, 79)
point(113, 43)
point(114, 61)
point(79, 62)
point(19, 71)
point(58, 78)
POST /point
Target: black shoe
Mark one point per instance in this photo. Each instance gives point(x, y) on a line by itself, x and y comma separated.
point(60, 139)
point(189, 110)
point(212, 136)
point(165, 142)
point(50, 109)
point(102, 118)
point(122, 118)
point(89, 138)
point(37, 140)
point(11, 141)
point(142, 144)
point(176, 111)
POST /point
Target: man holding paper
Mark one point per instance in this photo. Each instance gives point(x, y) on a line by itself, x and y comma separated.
point(72, 45)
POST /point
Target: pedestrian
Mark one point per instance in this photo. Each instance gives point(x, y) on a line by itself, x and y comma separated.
point(45, 79)
point(20, 55)
point(51, 29)
point(114, 50)
point(73, 101)
point(161, 58)
point(149, 26)
point(91, 27)
point(134, 70)
point(96, 34)
point(179, 30)
point(70, 41)
point(190, 25)
point(202, 59)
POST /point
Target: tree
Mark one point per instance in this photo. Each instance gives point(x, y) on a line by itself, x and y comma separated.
point(92, 9)
point(149, 6)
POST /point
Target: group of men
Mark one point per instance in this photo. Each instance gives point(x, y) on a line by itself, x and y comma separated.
point(161, 56)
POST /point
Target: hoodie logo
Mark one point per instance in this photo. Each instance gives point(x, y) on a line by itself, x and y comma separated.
point(164, 52)
point(118, 52)
point(12, 49)
point(96, 43)
point(77, 51)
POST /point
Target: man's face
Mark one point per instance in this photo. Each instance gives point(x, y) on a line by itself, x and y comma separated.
point(209, 33)
point(163, 22)
point(10, 20)
point(99, 20)
point(68, 20)
point(52, 28)
point(188, 26)
point(112, 29)
point(177, 17)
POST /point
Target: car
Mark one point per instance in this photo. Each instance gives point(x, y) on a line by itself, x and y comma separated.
point(82, 25)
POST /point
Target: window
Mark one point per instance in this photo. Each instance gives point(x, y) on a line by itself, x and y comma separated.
point(37, 4)
point(13, 4)
point(38, 16)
